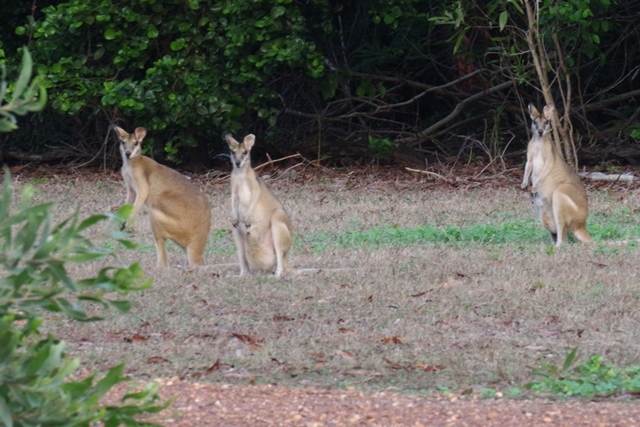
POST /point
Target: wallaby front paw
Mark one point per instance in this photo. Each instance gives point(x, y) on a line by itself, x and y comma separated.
point(524, 185)
point(235, 223)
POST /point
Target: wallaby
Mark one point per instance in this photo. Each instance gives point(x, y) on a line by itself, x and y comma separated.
point(178, 210)
point(261, 227)
point(559, 197)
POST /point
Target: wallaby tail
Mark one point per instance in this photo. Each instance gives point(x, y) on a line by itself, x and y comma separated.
point(583, 235)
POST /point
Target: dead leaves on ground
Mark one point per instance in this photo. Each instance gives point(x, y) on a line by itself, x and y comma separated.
point(254, 342)
point(391, 340)
point(420, 366)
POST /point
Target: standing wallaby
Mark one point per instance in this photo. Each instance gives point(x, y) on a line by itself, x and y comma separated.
point(559, 197)
point(177, 209)
point(261, 227)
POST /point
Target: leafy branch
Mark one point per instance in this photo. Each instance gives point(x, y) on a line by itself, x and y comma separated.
point(27, 95)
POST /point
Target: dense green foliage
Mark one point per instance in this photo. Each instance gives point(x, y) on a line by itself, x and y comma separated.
point(35, 383)
point(321, 77)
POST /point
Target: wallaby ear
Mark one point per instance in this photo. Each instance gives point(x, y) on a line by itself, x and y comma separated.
point(548, 111)
point(140, 133)
point(231, 141)
point(122, 134)
point(248, 141)
point(533, 111)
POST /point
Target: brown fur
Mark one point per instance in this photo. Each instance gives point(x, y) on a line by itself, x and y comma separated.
point(559, 197)
point(177, 209)
point(261, 226)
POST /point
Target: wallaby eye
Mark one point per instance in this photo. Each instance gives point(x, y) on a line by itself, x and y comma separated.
point(135, 143)
point(244, 152)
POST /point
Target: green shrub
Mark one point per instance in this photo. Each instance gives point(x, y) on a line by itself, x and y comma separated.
point(36, 388)
point(588, 379)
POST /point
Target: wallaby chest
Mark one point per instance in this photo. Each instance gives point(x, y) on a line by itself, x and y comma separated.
point(539, 156)
point(245, 190)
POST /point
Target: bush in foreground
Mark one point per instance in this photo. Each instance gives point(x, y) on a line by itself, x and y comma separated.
point(37, 382)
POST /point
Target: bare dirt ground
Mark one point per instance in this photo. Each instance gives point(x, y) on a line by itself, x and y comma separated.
point(204, 404)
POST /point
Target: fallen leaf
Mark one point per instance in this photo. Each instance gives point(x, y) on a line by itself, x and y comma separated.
point(213, 367)
point(347, 331)
point(391, 340)
point(448, 283)
point(250, 339)
point(255, 347)
point(429, 368)
point(157, 359)
point(369, 298)
point(136, 338)
point(345, 355)
point(598, 264)
point(393, 364)
point(278, 318)
point(419, 295)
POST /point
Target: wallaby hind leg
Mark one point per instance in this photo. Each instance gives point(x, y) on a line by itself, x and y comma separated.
point(281, 242)
point(561, 231)
point(241, 248)
point(554, 237)
point(161, 249)
point(195, 251)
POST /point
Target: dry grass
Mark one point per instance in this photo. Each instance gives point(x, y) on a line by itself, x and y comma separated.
point(413, 317)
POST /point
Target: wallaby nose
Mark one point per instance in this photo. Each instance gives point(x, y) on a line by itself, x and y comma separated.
point(127, 153)
point(540, 132)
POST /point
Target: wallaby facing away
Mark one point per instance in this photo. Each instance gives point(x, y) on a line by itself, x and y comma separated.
point(177, 209)
point(559, 197)
point(261, 227)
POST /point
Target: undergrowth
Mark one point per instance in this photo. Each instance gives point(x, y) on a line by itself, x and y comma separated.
point(592, 378)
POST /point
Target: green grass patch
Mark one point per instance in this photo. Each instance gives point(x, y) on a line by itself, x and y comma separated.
point(519, 231)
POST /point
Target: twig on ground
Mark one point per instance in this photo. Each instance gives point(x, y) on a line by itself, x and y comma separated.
point(429, 173)
point(616, 177)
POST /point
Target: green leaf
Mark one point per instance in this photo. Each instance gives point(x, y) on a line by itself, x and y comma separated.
point(5, 413)
point(278, 11)
point(109, 380)
point(110, 33)
point(504, 16)
point(25, 76)
point(177, 45)
point(122, 306)
point(98, 53)
point(569, 359)
point(152, 32)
